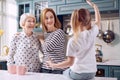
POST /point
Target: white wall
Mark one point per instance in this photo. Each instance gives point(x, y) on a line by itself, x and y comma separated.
point(10, 22)
point(111, 51)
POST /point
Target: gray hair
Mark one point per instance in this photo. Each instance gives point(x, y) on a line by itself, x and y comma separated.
point(24, 16)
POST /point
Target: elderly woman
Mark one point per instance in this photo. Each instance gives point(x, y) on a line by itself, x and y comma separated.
point(24, 46)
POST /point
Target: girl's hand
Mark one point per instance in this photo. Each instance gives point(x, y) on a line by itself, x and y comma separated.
point(90, 3)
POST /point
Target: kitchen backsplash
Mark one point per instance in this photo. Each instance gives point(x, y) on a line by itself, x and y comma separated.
point(110, 50)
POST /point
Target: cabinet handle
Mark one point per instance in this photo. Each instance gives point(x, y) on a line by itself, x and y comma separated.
point(99, 72)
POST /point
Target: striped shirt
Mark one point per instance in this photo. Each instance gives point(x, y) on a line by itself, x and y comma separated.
point(53, 48)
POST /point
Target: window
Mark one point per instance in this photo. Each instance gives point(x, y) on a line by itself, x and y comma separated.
point(1, 19)
point(23, 8)
point(8, 21)
point(38, 7)
point(0, 13)
point(0, 5)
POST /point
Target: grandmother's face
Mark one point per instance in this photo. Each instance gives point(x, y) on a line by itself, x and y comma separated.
point(29, 24)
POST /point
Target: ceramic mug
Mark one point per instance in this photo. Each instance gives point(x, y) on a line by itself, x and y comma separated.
point(21, 70)
point(11, 68)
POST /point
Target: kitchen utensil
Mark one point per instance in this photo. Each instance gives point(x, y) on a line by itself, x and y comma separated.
point(100, 34)
point(108, 35)
point(68, 29)
point(99, 54)
point(5, 50)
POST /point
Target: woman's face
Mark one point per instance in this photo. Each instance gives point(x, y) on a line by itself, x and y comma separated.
point(29, 24)
point(49, 20)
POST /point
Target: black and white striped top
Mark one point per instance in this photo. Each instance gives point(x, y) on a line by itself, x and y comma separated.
point(53, 48)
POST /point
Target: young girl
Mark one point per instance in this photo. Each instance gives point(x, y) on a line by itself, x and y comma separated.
point(80, 49)
point(24, 46)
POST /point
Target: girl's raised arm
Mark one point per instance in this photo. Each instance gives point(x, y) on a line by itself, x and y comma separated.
point(97, 13)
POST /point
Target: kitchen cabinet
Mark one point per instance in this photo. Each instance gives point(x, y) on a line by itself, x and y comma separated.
point(114, 71)
point(108, 71)
point(38, 6)
point(3, 65)
point(19, 1)
point(62, 7)
point(53, 4)
point(31, 6)
point(23, 7)
point(102, 71)
point(74, 1)
point(54, 8)
point(104, 5)
point(56, 2)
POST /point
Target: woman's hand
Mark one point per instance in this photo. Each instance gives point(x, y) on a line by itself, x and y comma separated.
point(41, 38)
point(50, 64)
point(61, 65)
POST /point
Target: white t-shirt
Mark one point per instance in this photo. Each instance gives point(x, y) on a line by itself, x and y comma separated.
point(83, 51)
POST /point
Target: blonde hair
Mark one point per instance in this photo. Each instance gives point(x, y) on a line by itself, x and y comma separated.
point(57, 23)
point(75, 24)
point(23, 18)
point(79, 19)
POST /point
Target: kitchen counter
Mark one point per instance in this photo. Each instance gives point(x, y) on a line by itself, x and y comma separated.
point(105, 62)
point(110, 62)
point(4, 75)
point(3, 58)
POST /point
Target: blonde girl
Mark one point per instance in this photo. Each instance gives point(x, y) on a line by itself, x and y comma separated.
point(80, 49)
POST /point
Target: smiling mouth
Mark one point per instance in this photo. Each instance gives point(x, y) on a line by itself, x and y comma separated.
point(30, 26)
point(50, 23)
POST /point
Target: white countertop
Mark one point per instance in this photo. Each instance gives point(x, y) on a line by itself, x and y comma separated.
point(4, 75)
point(113, 62)
point(110, 62)
point(3, 58)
